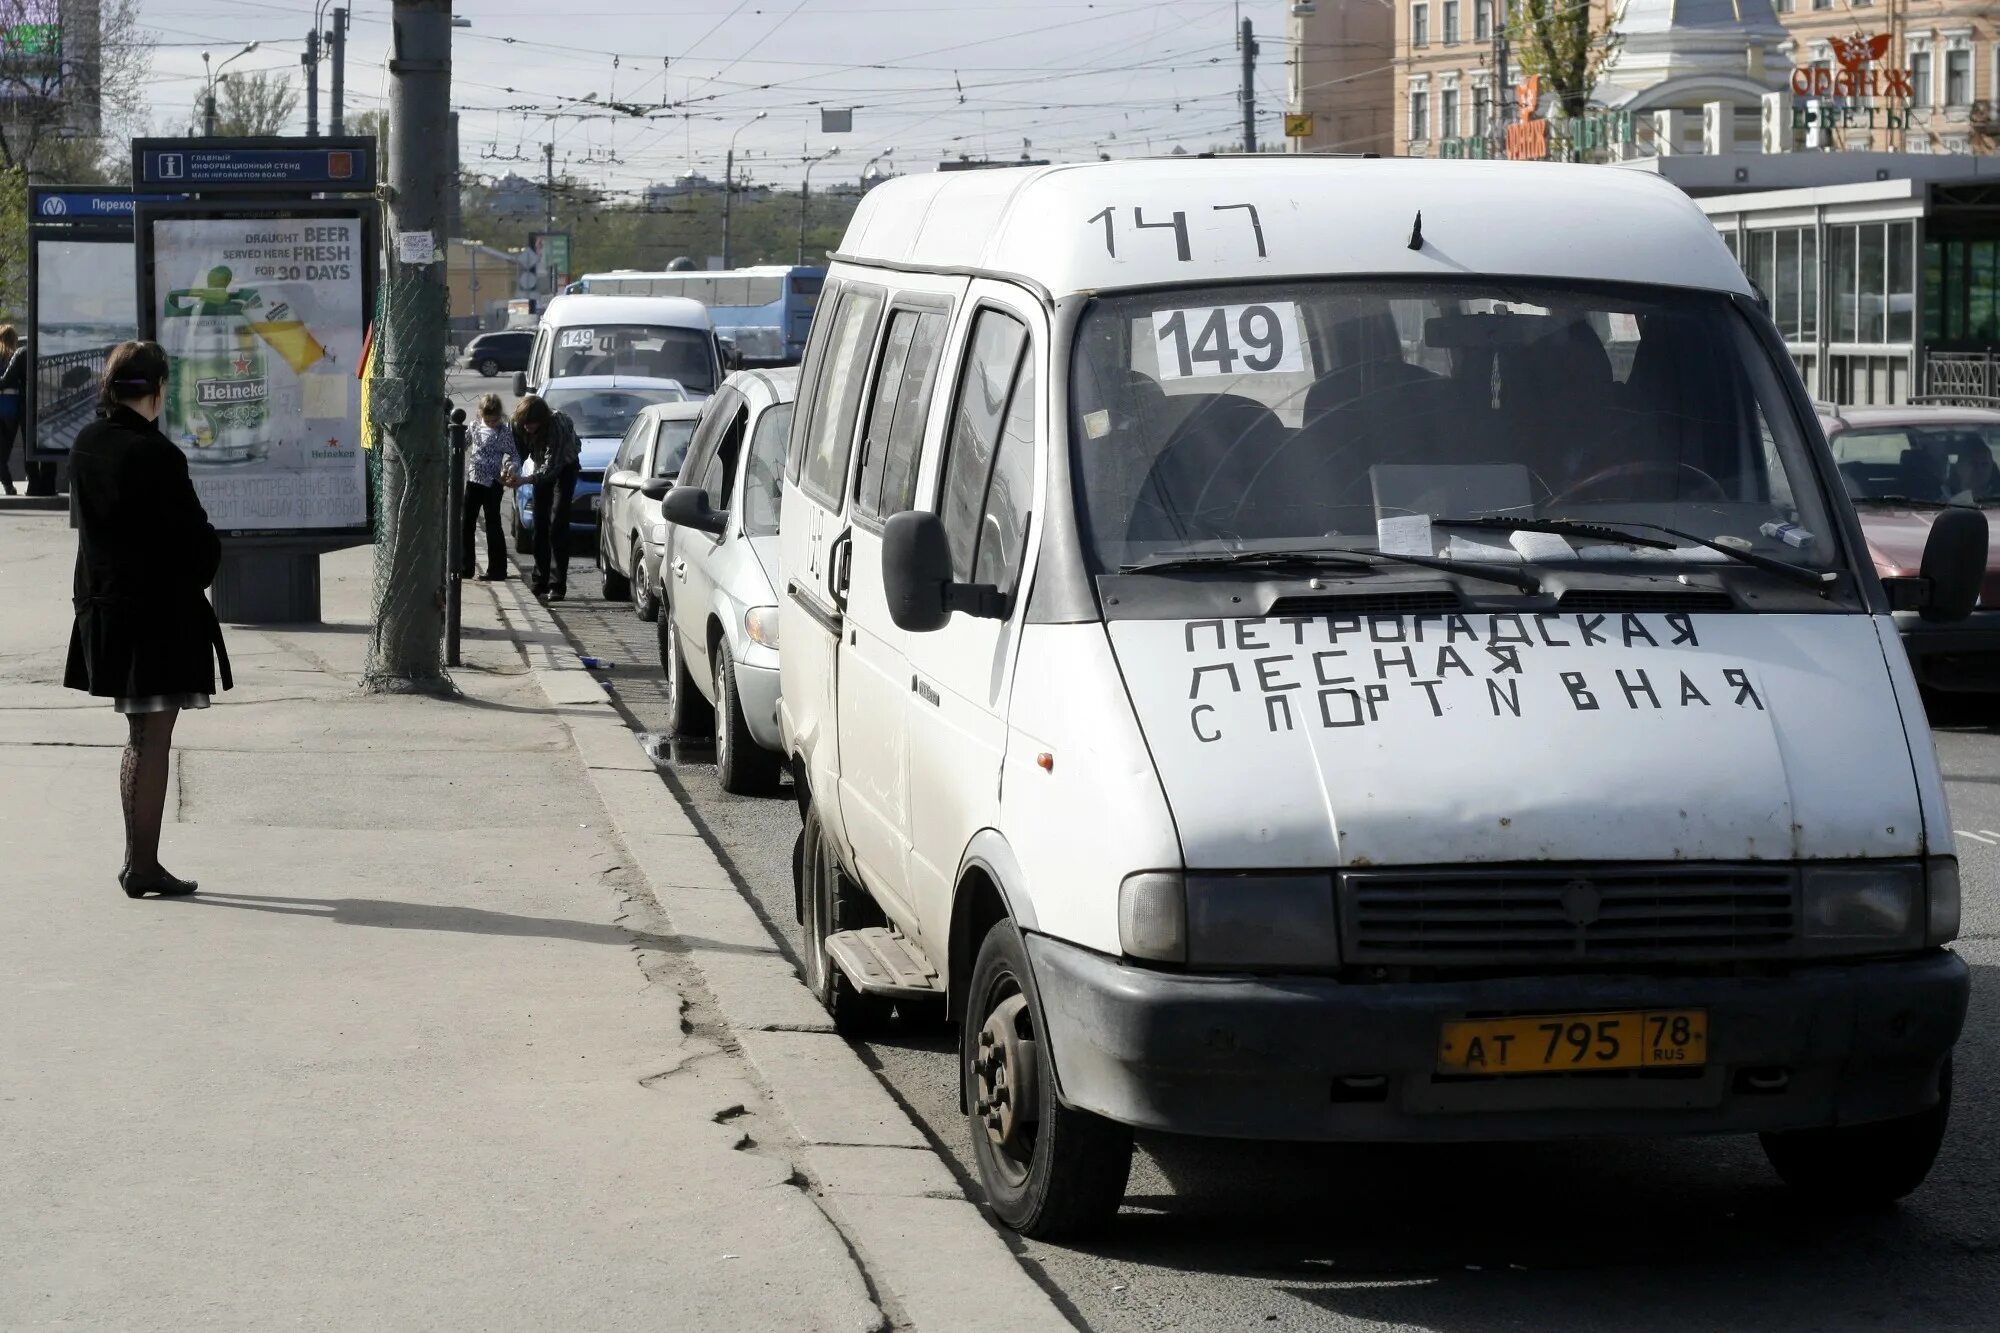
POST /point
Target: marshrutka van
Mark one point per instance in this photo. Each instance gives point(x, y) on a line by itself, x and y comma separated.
point(656, 337)
point(1355, 650)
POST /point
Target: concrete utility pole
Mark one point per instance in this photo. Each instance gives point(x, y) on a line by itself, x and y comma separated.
point(548, 210)
point(337, 118)
point(406, 650)
point(311, 61)
point(729, 187)
point(805, 195)
point(1249, 44)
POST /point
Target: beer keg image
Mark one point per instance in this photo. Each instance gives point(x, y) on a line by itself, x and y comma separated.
point(218, 386)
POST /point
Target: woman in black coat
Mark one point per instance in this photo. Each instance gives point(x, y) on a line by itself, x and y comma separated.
point(146, 636)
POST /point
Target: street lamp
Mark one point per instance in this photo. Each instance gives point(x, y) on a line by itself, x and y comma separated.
point(729, 182)
point(208, 95)
point(886, 152)
point(805, 193)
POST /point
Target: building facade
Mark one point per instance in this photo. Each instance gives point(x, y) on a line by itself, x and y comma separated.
point(1339, 74)
point(1948, 50)
point(1444, 87)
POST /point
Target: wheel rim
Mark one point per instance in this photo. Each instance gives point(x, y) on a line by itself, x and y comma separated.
point(1007, 1079)
point(725, 710)
point(641, 590)
point(674, 676)
point(491, 368)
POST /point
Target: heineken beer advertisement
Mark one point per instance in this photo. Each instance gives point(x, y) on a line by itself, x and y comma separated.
point(262, 322)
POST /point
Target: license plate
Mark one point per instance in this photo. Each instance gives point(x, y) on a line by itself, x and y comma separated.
point(1561, 1043)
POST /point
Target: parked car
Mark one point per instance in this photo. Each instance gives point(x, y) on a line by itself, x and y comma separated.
point(1903, 467)
point(1307, 650)
point(630, 530)
point(719, 577)
point(602, 408)
point(491, 353)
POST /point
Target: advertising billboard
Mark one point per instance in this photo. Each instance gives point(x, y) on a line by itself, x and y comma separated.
point(93, 310)
point(262, 317)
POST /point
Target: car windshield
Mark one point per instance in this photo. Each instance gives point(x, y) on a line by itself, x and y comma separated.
point(652, 350)
point(597, 413)
point(672, 448)
point(1347, 415)
point(1932, 463)
point(766, 480)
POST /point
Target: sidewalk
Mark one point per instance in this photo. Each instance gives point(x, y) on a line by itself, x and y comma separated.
point(420, 1054)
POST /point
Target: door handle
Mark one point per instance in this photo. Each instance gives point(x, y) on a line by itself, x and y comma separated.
point(680, 569)
point(839, 561)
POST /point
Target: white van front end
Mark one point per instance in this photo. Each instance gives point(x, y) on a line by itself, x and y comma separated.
point(1435, 688)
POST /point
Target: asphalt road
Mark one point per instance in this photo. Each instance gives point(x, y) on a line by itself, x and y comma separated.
point(1670, 1235)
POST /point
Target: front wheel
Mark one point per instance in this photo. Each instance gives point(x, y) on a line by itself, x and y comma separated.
point(741, 765)
point(1050, 1172)
point(832, 902)
point(645, 597)
point(1863, 1166)
point(689, 716)
point(617, 587)
point(489, 367)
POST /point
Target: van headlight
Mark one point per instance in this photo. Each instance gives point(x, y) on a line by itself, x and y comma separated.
point(1940, 900)
point(761, 624)
point(1250, 920)
point(1866, 906)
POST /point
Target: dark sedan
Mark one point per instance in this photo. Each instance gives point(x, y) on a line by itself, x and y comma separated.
point(491, 353)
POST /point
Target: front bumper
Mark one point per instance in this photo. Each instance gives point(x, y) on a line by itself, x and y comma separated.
point(1280, 1057)
point(1958, 656)
point(757, 687)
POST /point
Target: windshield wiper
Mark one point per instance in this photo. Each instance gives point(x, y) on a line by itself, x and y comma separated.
point(1342, 558)
point(1563, 527)
point(1910, 500)
point(1243, 560)
point(1811, 578)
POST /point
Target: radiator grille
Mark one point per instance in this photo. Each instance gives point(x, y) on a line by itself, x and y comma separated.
point(1645, 599)
point(1369, 604)
point(1568, 914)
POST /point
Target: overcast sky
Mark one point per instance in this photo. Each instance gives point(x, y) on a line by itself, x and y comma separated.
point(926, 78)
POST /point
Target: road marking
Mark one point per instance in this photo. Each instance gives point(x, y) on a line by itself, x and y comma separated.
point(1968, 833)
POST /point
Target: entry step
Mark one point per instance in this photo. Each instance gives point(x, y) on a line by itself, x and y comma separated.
point(880, 962)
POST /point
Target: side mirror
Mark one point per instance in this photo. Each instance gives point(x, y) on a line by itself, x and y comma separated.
point(688, 507)
point(625, 479)
point(520, 384)
point(656, 488)
point(1954, 563)
point(916, 577)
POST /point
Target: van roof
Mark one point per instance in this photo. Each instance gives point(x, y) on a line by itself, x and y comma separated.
point(583, 308)
point(1071, 229)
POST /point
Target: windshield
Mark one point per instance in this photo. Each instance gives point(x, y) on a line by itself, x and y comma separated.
point(597, 413)
point(1945, 463)
point(1348, 415)
point(766, 480)
point(652, 350)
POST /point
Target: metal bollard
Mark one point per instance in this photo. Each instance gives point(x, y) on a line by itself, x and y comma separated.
point(455, 544)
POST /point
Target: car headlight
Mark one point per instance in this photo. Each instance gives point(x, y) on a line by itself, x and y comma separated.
point(761, 624)
point(1864, 905)
point(1268, 920)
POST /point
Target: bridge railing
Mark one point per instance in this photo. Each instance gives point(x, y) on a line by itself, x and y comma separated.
point(68, 378)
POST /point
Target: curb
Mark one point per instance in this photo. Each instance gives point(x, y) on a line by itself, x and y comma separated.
point(872, 1170)
point(34, 502)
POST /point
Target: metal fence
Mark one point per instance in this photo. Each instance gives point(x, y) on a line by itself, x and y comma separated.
point(1961, 379)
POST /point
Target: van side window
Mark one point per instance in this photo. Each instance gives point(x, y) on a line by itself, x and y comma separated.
point(895, 435)
point(829, 435)
point(795, 451)
point(995, 352)
point(1010, 495)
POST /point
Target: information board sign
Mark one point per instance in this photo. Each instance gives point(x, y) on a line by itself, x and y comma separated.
point(274, 166)
point(262, 314)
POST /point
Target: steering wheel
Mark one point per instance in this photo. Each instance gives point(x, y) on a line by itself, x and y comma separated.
point(1584, 489)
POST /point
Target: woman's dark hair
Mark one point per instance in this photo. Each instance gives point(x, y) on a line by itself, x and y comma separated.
point(135, 370)
point(531, 411)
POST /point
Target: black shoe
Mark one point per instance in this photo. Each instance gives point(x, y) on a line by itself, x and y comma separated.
point(556, 594)
point(159, 882)
point(494, 576)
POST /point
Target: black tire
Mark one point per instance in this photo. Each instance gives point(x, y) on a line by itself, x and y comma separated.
point(689, 716)
point(524, 543)
point(834, 903)
point(741, 765)
point(489, 367)
point(1862, 1166)
point(645, 597)
point(616, 586)
point(1063, 1174)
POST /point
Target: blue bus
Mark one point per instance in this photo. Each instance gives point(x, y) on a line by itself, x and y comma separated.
point(766, 311)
